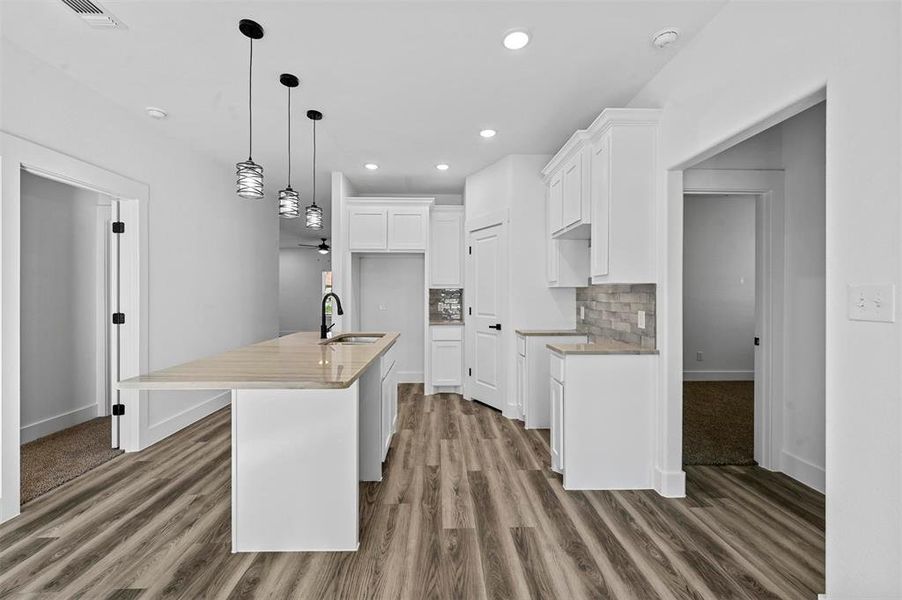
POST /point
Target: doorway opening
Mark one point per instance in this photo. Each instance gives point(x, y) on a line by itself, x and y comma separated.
point(69, 349)
point(754, 303)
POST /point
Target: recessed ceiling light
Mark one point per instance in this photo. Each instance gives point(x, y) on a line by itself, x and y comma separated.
point(665, 37)
point(442, 167)
point(155, 113)
point(370, 166)
point(516, 40)
point(487, 133)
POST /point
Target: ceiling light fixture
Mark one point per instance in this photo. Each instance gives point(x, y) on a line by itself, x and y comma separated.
point(516, 40)
point(289, 201)
point(155, 113)
point(665, 37)
point(314, 213)
point(442, 167)
point(488, 133)
point(249, 173)
point(323, 248)
point(370, 166)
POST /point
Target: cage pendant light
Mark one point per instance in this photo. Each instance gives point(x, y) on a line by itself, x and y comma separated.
point(249, 173)
point(314, 213)
point(289, 201)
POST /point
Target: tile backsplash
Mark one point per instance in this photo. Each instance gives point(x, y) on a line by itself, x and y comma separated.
point(445, 305)
point(611, 311)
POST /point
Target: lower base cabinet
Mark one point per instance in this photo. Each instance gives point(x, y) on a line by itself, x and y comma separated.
point(446, 355)
point(602, 420)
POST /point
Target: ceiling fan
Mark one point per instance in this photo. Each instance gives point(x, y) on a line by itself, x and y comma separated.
point(322, 248)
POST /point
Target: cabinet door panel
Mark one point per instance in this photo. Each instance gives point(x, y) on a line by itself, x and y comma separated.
point(573, 191)
point(600, 199)
point(557, 429)
point(387, 417)
point(407, 229)
point(555, 202)
point(522, 384)
point(446, 250)
point(446, 362)
point(367, 228)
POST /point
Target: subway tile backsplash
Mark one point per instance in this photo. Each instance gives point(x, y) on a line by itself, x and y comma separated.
point(611, 312)
point(445, 305)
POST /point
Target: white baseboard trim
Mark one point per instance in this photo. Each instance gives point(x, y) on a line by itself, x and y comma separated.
point(410, 377)
point(804, 472)
point(177, 422)
point(670, 484)
point(39, 429)
point(718, 375)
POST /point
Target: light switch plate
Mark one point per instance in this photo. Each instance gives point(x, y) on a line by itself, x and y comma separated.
point(872, 302)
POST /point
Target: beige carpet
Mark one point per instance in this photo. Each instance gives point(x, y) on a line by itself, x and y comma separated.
point(718, 422)
point(51, 461)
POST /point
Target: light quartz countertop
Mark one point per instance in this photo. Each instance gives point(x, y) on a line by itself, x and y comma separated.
point(549, 332)
point(601, 347)
point(296, 361)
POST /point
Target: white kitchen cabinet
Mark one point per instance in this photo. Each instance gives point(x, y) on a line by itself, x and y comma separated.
point(446, 232)
point(408, 228)
point(377, 406)
point(389, 393)
point(602, 186)
point(533, 373)
point(602, 420)
point(446, 355)
point(367, 228)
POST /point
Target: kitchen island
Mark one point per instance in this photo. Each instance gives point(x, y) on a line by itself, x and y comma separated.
point(304, 429)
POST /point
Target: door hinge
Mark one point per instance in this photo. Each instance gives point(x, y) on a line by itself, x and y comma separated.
point(118, 227)
point(757, 341)
point(118, 318)
point(470, 372)
point(471, 249)
point(118, 410)
point(470, 310)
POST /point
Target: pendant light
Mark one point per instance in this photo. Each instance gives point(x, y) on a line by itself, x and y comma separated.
point(289, 202)
point(314, 213)
point(250, 174)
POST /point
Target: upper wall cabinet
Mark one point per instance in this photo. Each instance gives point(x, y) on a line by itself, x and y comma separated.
point(388, 224)
point(446, 233)
point(603, 184)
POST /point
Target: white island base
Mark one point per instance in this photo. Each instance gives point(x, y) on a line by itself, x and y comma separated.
point(295, 470)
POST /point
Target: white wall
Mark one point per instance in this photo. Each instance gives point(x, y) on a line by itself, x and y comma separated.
point(59, 300)
point(514, 185)
point(752, 61)
point(300, 288)
point(719, 287)
point(213, 257)
point(390, 289)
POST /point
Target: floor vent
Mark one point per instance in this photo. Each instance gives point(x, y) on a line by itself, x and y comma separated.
point(93, 14)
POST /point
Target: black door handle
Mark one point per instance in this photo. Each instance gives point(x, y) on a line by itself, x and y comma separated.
point(495, 326)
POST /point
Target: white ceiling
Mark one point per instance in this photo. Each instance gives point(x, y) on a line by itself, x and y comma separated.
point(403, 84)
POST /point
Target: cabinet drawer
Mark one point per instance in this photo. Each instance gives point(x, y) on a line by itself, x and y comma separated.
point(447, 332)
point(556, 366)
point(521, 345)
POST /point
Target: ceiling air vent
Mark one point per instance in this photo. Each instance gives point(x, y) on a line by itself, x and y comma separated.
point(93, 14)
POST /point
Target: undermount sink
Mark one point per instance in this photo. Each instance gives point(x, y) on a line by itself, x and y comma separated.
point(350, 339)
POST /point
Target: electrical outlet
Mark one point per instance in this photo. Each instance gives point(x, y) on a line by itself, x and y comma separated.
point(641, 319)
point(699, 357)
point(872, 302)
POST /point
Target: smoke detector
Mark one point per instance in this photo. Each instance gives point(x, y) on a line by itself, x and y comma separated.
point(94, 14)
point(665, 37)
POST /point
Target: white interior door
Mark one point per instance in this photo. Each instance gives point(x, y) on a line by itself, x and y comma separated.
point(488, 261)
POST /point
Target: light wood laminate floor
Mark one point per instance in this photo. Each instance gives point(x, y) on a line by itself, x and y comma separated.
point(468, 509)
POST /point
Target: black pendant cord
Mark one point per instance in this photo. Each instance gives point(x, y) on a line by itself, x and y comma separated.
point(250, 103)
point(314, 163)
point(289, 138)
